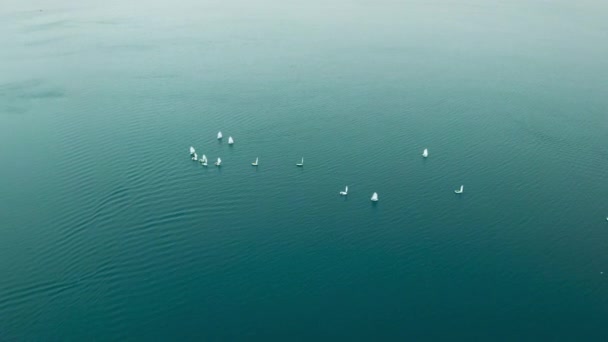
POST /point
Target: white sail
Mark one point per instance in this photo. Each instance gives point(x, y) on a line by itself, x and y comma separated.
point(425, 153)
point(345, 192)
point(375, 197)
point(255, 163)
point(301, 163)
point(204, 158)
point(219, 135)
point(461, 190)
point(192, 150)
point(218, 162)
point(194, 157)
point(230, 140)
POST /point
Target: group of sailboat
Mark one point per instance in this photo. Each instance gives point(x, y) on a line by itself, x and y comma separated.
point(220, 136)
point(203, 159)
point(345, 193)
point(374, 198)
point(425, 154)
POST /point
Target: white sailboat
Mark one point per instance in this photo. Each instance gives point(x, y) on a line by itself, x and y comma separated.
point(194, 156)
point(218, 162)
point(461, 190)
point(204, 160)
point(375, 197)
point(425, 153)
point(255, 163)
point(192, 150)
point(219, 135)
point(300, 164)
point(345, 192)
point(230, 140)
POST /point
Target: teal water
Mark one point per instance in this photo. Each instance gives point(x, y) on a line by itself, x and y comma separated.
point(108, 231)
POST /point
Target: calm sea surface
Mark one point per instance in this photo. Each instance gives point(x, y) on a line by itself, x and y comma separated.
point(108, 231)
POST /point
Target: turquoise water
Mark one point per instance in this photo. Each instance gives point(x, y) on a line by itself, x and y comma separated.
point(108, 231)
